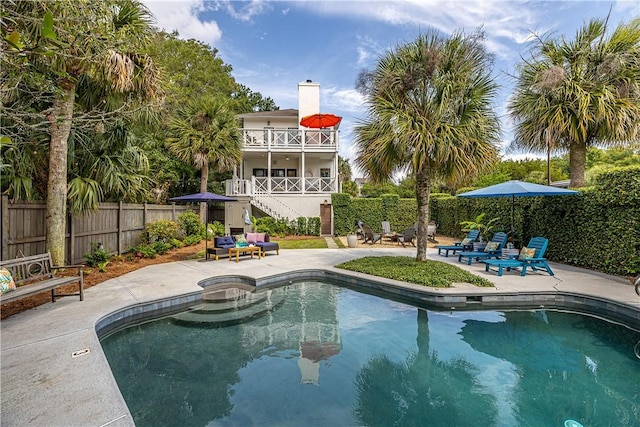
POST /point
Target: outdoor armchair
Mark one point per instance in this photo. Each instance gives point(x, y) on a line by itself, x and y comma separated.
point(472, 236)
point(531, 256)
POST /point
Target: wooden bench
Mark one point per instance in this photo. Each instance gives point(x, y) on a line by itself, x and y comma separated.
point(34, 274)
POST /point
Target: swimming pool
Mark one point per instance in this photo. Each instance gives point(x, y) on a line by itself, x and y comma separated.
point(326, 355)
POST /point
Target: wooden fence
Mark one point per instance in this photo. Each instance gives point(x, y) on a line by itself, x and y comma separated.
point(117, 226)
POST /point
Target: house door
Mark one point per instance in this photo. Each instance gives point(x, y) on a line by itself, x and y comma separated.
point(325, 219)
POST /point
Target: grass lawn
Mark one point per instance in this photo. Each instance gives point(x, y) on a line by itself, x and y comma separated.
point(301, 243)
point(406, 269)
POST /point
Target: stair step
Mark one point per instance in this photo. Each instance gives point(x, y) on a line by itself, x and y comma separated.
point(228, 318)
point(221, 306)
point(230, 292)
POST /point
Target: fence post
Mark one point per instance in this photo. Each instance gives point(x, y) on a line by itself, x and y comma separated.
point(72, 239)
point(4, 227)
point(119, 238)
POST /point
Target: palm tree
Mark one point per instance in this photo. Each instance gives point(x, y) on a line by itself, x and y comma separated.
point(430, 115)
point(99, 41)
point(204, 132)
point(574, 94)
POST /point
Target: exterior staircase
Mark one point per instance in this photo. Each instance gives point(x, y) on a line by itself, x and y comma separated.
point(231, 306)
point(274, 207)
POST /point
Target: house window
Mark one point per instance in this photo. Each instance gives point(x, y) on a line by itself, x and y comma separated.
point(259, 173)
point(325, 172)
point(292, 173)
point(277, 173)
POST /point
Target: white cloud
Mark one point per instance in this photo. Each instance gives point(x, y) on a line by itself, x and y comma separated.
point(183, 16)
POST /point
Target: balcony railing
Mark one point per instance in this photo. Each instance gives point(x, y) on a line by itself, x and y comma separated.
point(289, 138)
point(244, 187)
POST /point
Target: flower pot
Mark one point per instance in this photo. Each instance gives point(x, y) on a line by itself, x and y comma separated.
point(352, 240)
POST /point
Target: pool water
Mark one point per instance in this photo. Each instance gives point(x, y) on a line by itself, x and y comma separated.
point(322, 355)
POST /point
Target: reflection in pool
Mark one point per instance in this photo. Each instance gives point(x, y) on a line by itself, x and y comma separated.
point(315, 354)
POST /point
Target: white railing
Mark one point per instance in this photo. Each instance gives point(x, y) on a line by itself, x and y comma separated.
point(289, 138)
point(274, 207)
point(243, 187)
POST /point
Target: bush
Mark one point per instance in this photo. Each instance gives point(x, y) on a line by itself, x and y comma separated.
point(190, 223)
point(216, 228)
point(302, 226)
point(192, 240)
point(98, 255)
point(146, 251)
point(313, 226)
point(161, 247)
point(161, 231)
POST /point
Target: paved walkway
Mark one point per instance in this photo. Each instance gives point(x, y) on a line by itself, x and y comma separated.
point(43, 384)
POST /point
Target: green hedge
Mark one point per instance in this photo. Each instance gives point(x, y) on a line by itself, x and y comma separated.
point(597, 229)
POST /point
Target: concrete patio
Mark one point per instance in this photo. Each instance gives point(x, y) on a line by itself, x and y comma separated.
point(54, 372)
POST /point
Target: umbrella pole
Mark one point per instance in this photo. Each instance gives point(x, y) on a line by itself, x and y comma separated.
point(513, 233)
point(206, 230)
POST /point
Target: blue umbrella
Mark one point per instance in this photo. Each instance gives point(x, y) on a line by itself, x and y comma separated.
point(199, 198)
point(515, 189)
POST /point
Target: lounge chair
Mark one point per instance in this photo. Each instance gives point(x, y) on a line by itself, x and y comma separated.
point(472, 236)
point(536, 261)
point(370, 236)
point(407, 236)
point(386, 231)
point(431, 231)
point(359, 230)
point(492, 250)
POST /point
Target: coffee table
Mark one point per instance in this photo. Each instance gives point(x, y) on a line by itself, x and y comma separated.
point(243, 250)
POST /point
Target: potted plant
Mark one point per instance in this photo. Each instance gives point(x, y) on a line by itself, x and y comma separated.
point(485, 228)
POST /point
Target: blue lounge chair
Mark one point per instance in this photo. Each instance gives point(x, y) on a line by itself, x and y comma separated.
point(500, 238)
point(535, 262)
point(457, 246)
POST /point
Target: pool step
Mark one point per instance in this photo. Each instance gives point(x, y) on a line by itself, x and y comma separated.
point(208, 316)
point(230, 292)
point(242, 302)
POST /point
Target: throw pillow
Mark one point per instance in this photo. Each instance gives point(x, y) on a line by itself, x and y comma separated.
point(466, 241)
point(6, 281)
point(252, 237)
point(260, 238)
point(241, 241)
point(527, 253)
point(492, 247)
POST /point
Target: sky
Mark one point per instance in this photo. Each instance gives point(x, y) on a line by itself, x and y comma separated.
point(274, 45)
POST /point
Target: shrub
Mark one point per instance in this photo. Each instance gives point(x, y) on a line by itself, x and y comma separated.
point(161, 247)
point(98, 255)
point(146, 251)
point(302, 226)
point(191, 240)
point(313, 226)
point(190, 223)
point(216, 228)
point(161, 231)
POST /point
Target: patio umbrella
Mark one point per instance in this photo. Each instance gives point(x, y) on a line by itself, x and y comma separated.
point(319, 121)
point(199, 198)
point(515, 189)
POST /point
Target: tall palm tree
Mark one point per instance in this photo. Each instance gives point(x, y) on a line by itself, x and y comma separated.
point(574, 94)
point(65, 42)
point(204, 133)
point(429, 114)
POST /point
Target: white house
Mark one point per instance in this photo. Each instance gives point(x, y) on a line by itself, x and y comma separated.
point(287, 170)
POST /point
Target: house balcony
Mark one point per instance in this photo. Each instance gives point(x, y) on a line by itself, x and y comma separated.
point(289, 139)
point(284, 185)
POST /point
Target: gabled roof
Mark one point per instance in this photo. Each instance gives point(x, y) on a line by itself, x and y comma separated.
point(291, 112)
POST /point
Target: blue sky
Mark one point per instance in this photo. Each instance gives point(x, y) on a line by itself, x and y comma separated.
point(273, 45)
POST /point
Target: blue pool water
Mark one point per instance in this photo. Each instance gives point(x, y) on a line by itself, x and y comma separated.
point(330, 356)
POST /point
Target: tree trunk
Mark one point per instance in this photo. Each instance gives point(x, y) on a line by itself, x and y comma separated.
point(577, 162)
point(423, 189)
point(61, 116)
point(204, 177)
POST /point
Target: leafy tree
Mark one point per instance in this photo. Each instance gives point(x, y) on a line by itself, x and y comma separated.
point(204, 133)
point(574, 94)
point(350, 187)
point(429, 114)
point(51, 49)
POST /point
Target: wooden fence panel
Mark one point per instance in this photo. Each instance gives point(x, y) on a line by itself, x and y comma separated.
point(117, 226)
